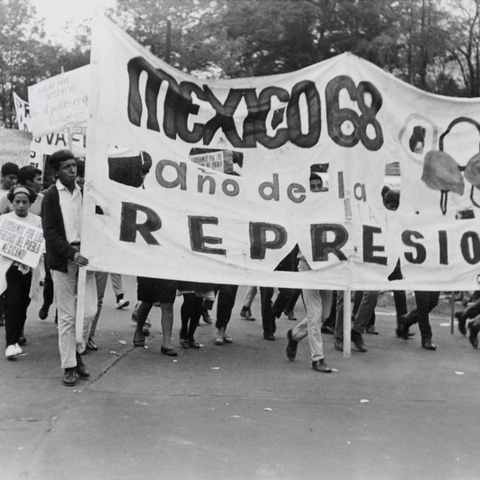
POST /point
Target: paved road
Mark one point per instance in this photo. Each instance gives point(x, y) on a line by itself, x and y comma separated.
point(240, 411)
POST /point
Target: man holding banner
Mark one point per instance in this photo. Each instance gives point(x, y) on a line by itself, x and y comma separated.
point(61, 219)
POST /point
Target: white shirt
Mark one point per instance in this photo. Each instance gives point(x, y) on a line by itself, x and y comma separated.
point(71, 207)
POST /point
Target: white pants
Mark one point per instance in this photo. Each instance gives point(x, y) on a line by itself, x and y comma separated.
point(65, 287)
point(318, 304)
point(249, 296)
point(101, 281)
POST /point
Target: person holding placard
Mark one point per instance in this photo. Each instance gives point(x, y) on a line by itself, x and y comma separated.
point(15, 277)
point(62, 224)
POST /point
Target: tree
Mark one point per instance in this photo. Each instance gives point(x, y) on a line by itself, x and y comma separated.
point(147, 20)
point(464, 43)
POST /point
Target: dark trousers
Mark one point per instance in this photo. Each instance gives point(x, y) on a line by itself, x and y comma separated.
point(286, 300)
point(16, 303)
point(400, 299)
point(190, 312)
point(225, 302)
point(48, 287)
point(268, 319)
point(426, 302)
point(472, 311)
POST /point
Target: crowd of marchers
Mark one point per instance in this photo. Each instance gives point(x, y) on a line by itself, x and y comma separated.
point(57, 210)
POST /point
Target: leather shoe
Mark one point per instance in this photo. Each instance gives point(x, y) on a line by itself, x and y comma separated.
point(81, 368)
point(338, 344)
point(290, 315)
point(69, 378)
point(268, 336)
point(171, 352)
point(206, 317)
point(402, 334)
point(43, 312)
point(292, 345)
point(321, 366)
point(357, 340)
point(22, 340)
point(428, 345)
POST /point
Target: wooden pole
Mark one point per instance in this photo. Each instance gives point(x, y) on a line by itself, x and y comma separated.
point(82, 280)
point(347, 321)
point(452, 313)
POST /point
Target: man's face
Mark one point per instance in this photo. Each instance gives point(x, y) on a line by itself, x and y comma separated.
point(67, 172)
point(9, 181)
point(35, 184)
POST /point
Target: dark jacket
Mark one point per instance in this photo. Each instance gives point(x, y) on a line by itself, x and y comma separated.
point(58, 249)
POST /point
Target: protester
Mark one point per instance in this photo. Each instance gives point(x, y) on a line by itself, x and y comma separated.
point(426, 302)
point(149, 291)
point(61, 219)
point(463, 315)
point(474, 329)
point(9, 177)
point(360, 321)
point(191, 310)
point(225, 304)
point(117, 285)
point(206, 307)
point(246, 312)
point(16, 278)
point(31, 177)
point(317, 304)
point(288, 310)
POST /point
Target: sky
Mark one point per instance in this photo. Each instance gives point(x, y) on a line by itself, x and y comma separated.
point(58, 13)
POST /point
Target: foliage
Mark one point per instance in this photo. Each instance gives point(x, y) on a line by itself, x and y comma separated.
point(432, 44)
point(25, 56)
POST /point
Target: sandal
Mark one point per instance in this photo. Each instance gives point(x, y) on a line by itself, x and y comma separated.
point(139, 339)
point(194, 344)
point(184, 343)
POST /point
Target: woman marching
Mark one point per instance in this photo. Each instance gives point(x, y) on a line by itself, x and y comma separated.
point(16, 278)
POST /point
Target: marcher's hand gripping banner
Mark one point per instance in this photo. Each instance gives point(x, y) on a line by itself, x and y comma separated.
point(224, 178)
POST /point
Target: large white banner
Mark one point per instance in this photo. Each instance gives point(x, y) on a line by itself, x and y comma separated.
point(59, 102)
point(312, 151)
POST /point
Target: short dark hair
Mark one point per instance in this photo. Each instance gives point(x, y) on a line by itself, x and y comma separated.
point(9, 168)
point(58, 157)
point(32, 196)
point(28, 172)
